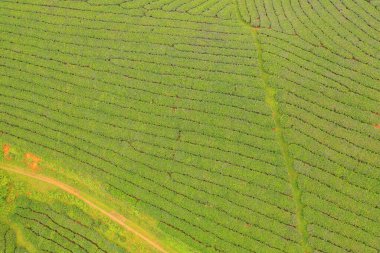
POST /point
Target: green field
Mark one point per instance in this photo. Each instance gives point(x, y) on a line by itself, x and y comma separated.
point(190, 126)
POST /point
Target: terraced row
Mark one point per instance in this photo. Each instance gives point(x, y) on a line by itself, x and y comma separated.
point(324, 65)
point(8, 242)
point(136, 102)
point(184, 111)
point(53, 229)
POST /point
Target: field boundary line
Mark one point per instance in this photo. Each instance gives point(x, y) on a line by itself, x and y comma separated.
point(270, 100)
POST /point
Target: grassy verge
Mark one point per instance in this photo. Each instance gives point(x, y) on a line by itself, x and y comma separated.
point(272, 103)
point(48, 193)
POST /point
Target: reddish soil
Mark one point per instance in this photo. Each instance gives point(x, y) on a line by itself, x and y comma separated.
point(6, 151)
point(113, 215)
point(32, 161)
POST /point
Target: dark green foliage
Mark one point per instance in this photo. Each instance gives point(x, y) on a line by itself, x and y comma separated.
point(60, 228)
point(8, 242)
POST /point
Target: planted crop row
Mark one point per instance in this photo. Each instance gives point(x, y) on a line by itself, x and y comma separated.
point(325, 69)
point(154, 119)
point(53, 228)
point(220, 9)
point(8, 241)
point(169, 103)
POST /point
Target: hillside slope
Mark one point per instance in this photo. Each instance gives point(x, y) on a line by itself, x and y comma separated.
point(247, 126)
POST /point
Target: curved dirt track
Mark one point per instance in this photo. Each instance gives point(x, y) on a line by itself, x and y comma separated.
point(116, 217)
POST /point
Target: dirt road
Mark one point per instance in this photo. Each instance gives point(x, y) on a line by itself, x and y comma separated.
point(116, 217)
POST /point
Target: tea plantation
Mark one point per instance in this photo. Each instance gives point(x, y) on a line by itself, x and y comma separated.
point(190, 126)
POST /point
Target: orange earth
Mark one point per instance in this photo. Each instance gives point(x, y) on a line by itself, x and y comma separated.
point(32, 161)
point(113, 215)
point(6, 151)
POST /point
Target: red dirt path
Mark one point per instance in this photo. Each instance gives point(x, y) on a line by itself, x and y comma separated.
point(116, 217)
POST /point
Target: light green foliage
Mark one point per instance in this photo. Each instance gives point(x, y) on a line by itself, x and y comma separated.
point(8, 242)
point(4, 182)
point(46, 224)
point(8, 191)
point(60, 227)
point(325, 67)
point(240, 126)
